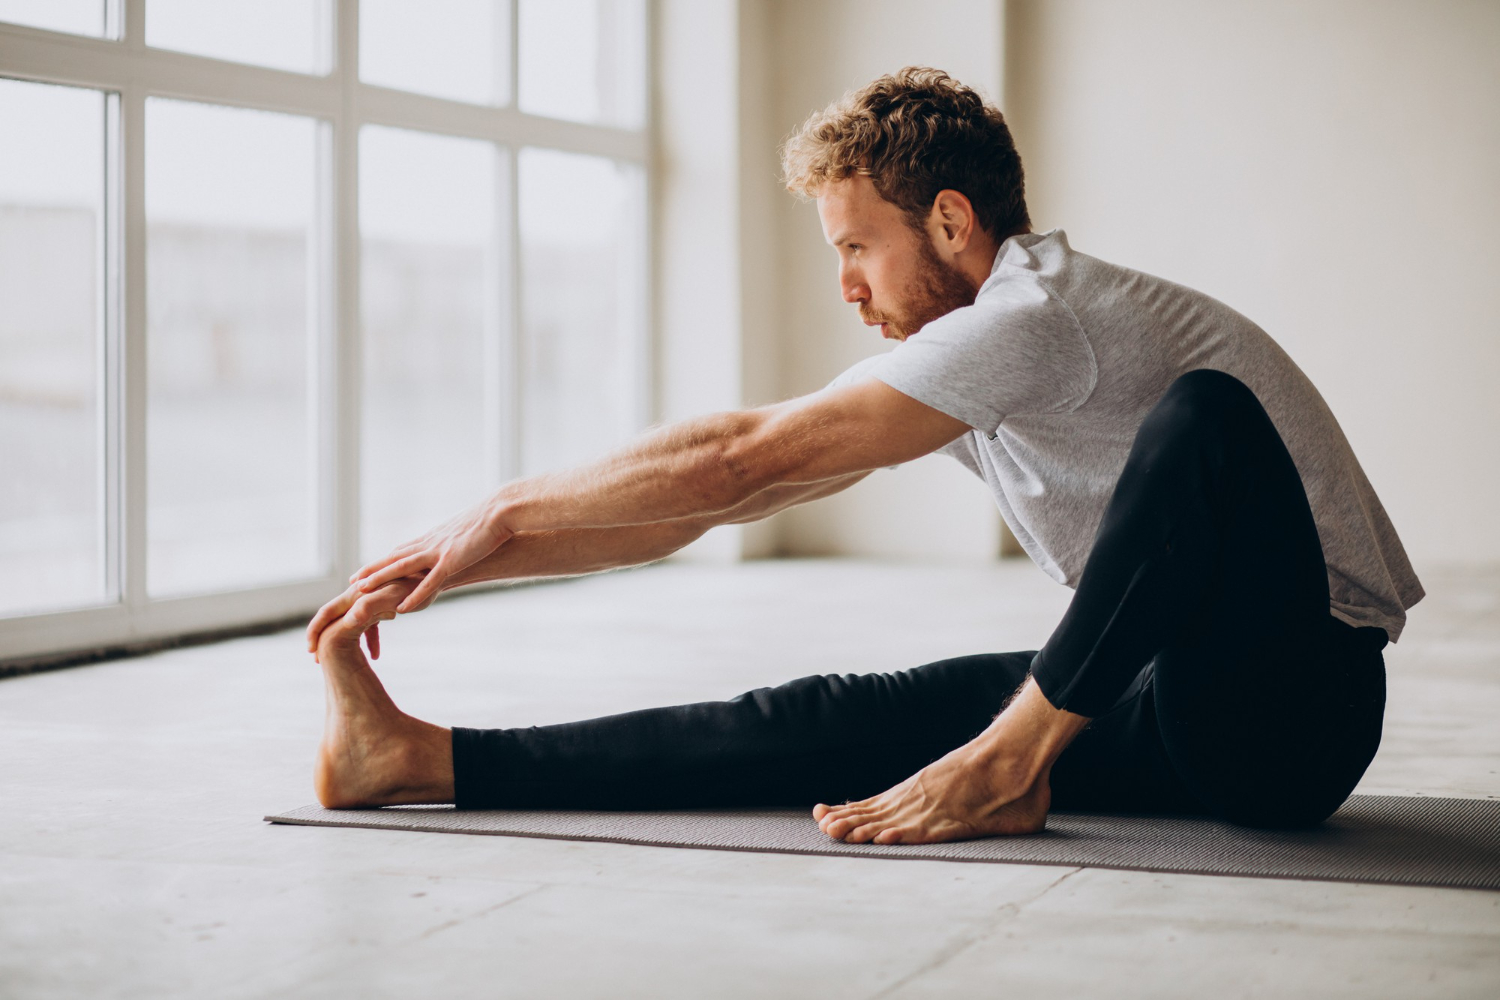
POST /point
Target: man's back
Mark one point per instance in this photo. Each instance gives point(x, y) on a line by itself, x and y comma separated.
point(1057, 363)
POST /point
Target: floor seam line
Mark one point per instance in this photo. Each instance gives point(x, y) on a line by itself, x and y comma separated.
point(449, 924)
point(1003, 915)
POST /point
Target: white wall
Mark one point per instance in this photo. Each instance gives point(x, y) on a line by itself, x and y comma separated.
point(1329, 168)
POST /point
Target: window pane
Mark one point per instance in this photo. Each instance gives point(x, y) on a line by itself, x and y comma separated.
point(282, 34)
point(581, 298)
point(229, 211)
point(426, 212)
point(458, 49)
point(584, 60)
point(80, 17)
point(51, 255)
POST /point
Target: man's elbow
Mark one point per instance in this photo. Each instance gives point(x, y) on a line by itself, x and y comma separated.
point(746, 462)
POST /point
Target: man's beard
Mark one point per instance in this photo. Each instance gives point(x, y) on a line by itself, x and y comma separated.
point(937, 290)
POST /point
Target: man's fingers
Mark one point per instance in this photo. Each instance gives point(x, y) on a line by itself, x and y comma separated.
point(426, 590)
point(372, 608)
point(375, 566)
point(371, 567)
point(372, 640)
point(410, 566)
point(327, 615)
point(315, 628)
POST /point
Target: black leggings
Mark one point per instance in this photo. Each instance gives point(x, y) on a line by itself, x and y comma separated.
point(1199, 641)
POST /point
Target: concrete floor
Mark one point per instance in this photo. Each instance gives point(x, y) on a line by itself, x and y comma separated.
point(133, 861)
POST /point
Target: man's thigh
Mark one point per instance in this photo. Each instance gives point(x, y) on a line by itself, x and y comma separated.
point(1273, 733)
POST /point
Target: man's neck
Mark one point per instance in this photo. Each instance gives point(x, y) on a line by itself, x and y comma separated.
point(977, 260)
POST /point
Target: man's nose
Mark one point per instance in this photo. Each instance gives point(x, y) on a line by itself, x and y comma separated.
point(852, 286)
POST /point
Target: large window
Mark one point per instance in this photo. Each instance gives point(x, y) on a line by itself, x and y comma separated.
point(285, 282)
point(53, 541)
point(427, 211)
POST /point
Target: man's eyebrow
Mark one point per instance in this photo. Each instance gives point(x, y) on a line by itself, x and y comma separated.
point(842, 238)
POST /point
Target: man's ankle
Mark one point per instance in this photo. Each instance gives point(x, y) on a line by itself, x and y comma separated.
point(1030, 734)
point(426, 761)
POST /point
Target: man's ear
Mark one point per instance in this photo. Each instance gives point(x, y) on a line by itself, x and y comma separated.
point(952, 219)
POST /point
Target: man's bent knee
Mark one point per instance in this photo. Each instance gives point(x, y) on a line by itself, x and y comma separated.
point(1208, 396)
point(1201, 407)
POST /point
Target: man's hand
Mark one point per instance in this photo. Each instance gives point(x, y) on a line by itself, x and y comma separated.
point(435, 557)
point(364, 611)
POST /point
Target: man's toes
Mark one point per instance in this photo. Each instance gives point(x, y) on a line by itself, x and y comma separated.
point(343, 634)
point(840, 821)
point(865, 832)
point(838, 828)
point(928, 831)
point(830, 818)
point(830, 813)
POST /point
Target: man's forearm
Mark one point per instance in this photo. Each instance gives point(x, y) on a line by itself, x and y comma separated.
point(693, 469)
point(533, 555)
point(578, 551)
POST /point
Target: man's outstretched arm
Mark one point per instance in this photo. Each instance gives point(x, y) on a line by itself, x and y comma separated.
point(693, 469)
point(532, 555)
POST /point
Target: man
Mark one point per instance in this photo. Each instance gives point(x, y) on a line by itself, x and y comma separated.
point(1235, 574)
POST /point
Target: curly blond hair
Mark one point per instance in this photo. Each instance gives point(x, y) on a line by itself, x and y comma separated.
point(914, 133)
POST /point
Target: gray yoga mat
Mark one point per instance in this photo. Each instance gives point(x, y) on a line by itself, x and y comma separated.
point(1401, 840)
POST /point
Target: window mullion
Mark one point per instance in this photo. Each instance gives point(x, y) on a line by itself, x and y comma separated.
point(342, 454)
point(322, 350)
point(513, 65)
point(133, 23)
point(134, 362)
point(512, 387)
point(111, 412)
point(503, 391)
point(503, 333)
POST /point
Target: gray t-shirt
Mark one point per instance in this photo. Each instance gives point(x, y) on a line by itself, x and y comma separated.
point(1057, 363)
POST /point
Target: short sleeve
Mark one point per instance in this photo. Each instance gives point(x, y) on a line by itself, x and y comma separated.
point(857, 371)
point(965, 449)
point(1017, 350)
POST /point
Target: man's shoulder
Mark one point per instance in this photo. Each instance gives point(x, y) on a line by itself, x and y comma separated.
point(1107, 300)
point(1011, 308)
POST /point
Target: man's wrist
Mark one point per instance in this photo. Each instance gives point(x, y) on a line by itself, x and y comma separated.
point(501, 512)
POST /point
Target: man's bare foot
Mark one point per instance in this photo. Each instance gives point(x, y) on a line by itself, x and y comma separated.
point(966, 794)
point(373, 754)
point(995, 784)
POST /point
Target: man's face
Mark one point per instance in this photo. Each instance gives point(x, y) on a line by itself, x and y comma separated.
point(891, 272)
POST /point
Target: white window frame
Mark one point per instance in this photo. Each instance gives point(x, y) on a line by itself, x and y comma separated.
point(128, 72)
